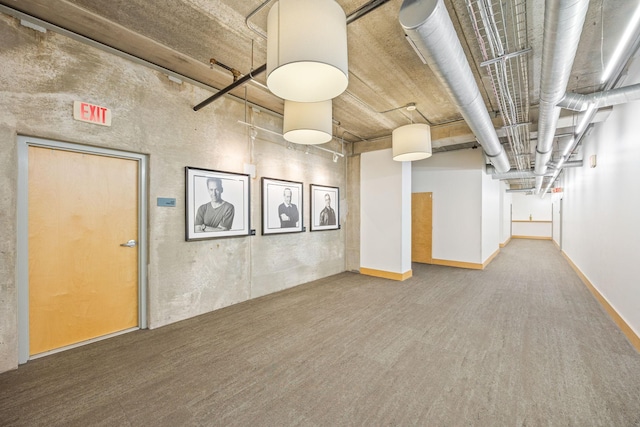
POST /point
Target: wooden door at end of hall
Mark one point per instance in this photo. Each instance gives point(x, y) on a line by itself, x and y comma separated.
point(82, 283)
point(421, 227)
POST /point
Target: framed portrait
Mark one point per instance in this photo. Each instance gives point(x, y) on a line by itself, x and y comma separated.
point(216, 204)
point(281, 206)
point(325, 207)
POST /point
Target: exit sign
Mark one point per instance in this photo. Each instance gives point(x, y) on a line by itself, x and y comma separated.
point(90, 113)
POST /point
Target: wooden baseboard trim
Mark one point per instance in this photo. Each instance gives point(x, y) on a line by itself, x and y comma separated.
point(459, 264)
point(386, 274)
point(488, 260)
point(502, 245)
point(633, 338)
point(469, 265)
point(532, 237)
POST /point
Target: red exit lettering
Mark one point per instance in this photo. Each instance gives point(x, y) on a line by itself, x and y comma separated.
point(93, 113)
point(86, 112)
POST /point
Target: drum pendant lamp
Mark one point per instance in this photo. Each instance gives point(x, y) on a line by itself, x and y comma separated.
point(411, 142)
point(307, 50)
point(307, 122)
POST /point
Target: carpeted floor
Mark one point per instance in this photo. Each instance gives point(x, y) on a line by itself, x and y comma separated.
point(522, 343)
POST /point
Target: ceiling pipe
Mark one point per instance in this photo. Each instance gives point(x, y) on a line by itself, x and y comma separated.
point(520, 190)
point(430, 31)
point(242, 80)
point(517, 174)
point(571, 164)
point(607, 98)
point(364, 9)
point(563, 21)
point(524, 174)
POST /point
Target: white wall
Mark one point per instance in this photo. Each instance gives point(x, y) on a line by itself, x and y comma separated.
point(525, 205)
point(455, 180)
point(490, 216)
point(601, 230)
point(385, 212)
point(40, 77)
point(505, 213)
point(406, 216)
point(556, 200)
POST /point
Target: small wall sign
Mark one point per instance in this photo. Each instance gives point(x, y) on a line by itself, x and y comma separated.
point(90, 113)
point(167, 202)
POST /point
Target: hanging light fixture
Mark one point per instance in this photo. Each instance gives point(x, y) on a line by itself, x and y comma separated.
point(307, 122)
point(307, 50)
point(411, 142)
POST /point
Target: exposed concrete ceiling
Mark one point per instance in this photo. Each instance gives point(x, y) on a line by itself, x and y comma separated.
point(385, 74)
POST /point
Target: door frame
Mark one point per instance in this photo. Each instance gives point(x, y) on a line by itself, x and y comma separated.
point(560, 222)
point(22, 241)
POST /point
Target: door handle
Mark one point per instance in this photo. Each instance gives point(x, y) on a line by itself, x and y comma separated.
point(129, 244)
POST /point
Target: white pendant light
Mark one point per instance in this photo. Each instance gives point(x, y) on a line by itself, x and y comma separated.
point(307, 50)
point(307, 122)
point(411, 142)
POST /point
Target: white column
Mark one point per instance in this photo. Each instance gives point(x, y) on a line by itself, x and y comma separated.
point(385, 216)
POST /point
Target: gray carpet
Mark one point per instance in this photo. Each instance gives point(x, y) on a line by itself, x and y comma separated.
point(522, 343)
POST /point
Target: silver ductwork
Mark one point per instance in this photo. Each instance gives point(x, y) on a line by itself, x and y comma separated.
point(430, 31)
point(520, 190)
point(518, 174)
point(563, 21)
point(607, 98)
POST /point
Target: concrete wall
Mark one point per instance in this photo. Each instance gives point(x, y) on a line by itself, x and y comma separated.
point(40, 77)
point(352, 214)
point(601, 231)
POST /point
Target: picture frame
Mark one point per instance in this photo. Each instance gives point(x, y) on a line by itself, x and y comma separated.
point(230, 218)
point(280, 215)
point(325, 213)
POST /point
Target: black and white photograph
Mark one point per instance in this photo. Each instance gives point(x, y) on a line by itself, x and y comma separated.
point(281, 206)
point(217, 204)
point(325, 211)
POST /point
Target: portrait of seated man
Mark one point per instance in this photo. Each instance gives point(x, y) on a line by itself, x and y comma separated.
point(327, 215)
point(288, 212)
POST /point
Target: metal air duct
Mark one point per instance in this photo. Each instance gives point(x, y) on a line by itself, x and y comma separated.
point(563, 21)
point(518, 174)
point(430, 30)
point(580, 102)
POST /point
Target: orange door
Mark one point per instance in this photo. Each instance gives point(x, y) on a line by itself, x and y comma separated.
point(421, 227)
point(82, 283)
